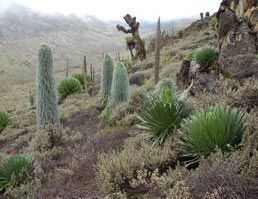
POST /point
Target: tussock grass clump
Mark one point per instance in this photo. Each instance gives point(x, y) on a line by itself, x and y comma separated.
point(84, 80)
point(115, 170)
point(210, 129)
point(205, 57)
point(5, 120)
point(14, 171)
point(68, 87)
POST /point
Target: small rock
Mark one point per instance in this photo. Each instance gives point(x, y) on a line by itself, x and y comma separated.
point(204, 82)
point(137, 79)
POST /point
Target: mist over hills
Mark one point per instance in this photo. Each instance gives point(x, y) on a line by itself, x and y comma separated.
point(22, 31)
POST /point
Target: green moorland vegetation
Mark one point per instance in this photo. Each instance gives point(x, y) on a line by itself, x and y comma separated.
point(102, 136)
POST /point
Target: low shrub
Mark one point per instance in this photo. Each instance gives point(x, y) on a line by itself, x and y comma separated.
point(14, 171)
point(180, 190)
point(157, 183)
point(47, 138)
point(116, 170)
point(222, 177)
point(210, 129)
point(68, 87)
point(5, 120)
point(244, 96)
point(127, 110)
point(232, 93)
point(48, 143)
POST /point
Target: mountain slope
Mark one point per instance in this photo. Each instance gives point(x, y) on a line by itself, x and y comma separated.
point(22, 31)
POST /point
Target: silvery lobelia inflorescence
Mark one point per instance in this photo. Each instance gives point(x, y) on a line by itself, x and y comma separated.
point(47, 105)
point(120, 86)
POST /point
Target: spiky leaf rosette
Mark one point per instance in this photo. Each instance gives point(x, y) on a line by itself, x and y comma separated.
point(14, 171)
point(120, 86)
point(166, 90)
point(106, 77)
point(205, 57)
point(69, 86)
point(214, 23)
point(160, 120)
point(5, 120)
point(210, 129)
point(82, 79)
point(47, 107)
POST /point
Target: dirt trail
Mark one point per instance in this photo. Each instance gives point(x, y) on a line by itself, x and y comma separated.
point(82, 183)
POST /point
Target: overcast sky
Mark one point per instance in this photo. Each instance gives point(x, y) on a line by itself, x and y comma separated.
point(115, 9)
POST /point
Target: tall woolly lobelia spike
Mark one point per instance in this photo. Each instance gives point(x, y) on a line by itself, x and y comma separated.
point(47, 105)
point(106, 76)
point(120, 86)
